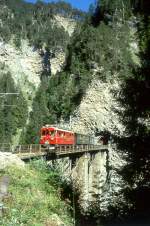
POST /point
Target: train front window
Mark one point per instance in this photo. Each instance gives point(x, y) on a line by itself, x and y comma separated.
point(45, 132)
point(52, 133)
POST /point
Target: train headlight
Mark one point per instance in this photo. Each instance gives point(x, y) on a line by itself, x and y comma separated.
point(46, 142)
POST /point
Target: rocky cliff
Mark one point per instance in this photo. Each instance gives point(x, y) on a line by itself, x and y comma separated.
point(8, 159)
point(25, 66)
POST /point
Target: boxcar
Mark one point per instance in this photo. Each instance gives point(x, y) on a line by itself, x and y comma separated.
point(83, 139)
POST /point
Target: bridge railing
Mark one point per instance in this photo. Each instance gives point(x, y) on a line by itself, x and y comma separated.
point(31, 148)
point(21, 148)
point(37, 149)
point(75, 148)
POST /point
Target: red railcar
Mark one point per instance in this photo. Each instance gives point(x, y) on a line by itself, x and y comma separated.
point(54, 136)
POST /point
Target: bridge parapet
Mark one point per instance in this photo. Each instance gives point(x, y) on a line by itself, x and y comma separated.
point(35, 150)
point(72, 149)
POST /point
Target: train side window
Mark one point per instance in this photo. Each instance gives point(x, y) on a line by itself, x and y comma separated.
point(43, 132)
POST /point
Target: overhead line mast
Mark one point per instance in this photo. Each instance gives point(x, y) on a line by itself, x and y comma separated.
point(5, 94)
point(9, 93)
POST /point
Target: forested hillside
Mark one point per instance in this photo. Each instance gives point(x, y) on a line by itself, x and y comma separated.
point(37, 25)
point(35, 22)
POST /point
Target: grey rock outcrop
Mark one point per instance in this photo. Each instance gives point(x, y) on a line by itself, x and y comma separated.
point(99, 109)
point(8, 159)
point(67, 23)
point(25, 67)
point(57, 62)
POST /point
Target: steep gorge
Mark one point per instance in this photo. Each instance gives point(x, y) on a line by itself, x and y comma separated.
point(100, 84)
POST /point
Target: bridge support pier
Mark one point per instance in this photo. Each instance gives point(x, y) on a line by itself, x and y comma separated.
point(89, 177)
point(86, 171)
point(86, 177)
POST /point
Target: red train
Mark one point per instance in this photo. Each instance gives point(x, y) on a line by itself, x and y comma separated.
point(51, 136)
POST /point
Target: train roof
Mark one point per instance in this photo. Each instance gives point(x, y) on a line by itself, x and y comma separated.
point(56, 128)
point(64, 130)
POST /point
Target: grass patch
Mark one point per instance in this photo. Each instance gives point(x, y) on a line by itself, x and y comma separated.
point(32, 199)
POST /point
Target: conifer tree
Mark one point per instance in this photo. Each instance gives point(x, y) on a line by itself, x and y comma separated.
point(39, 116)
point(13, 108)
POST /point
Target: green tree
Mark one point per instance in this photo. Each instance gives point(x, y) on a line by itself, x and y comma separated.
point(13, 111)
point(39, 116)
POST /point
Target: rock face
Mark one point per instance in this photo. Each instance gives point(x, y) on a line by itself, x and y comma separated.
point(112, 194)
point(57, 62)
point(7, 159)
point(25, 66)
point(25, 63)
point(99, 108)
point(66, 23)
